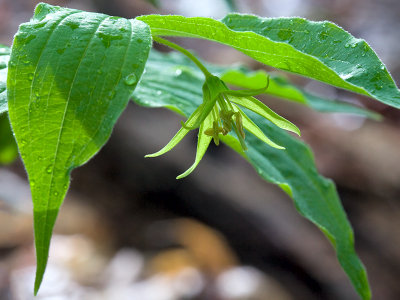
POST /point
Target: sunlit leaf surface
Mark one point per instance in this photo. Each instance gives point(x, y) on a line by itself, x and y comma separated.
point(319, 50)
point(70, 76)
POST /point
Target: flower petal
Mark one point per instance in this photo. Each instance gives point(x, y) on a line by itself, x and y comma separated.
point(180, 134)
point(264, 111)
point(249, 125)
point(202, 145)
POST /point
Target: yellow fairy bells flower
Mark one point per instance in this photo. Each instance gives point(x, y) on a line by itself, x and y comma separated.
point(219, 114)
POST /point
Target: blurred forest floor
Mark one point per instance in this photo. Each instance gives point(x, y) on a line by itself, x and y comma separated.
point(129, 230)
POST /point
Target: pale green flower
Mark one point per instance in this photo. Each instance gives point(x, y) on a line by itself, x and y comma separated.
point(219, 114)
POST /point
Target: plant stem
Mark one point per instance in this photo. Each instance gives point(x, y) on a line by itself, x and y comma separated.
point(184, 51)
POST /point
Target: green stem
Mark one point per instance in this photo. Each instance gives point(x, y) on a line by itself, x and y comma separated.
point(184, 51)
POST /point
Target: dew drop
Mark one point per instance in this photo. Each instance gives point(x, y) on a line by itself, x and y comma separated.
point(346, 76)
point(159, 93)
point(382, 67)
point(30, 77)
point(131, 79)
point(32, 182)
point(55, 193)
point(178, 72)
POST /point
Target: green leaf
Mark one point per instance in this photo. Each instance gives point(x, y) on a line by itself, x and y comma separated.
point(319, 50)
point(178, 87)
point(315, 197)
point(280, 87)
point(8, 147)
point(4, 58)
point(70, 76)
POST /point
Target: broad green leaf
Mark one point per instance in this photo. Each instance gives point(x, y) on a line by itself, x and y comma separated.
point(4, 58)
point(280, 87)
point(8, 147)
point(315, 197)
point(70, 76)
point(179, 89)
point(319, 50)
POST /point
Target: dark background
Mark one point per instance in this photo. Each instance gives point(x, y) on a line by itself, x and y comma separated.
point(129, 230)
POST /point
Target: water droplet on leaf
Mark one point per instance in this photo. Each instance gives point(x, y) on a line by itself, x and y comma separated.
point(131, 79)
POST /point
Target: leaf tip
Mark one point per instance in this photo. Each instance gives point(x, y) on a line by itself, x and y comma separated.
point(38, 282)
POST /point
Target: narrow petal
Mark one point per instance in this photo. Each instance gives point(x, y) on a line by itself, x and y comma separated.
point(180, 134)
point(249, 125)
point(264, 111)
point(202, 145)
